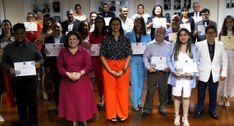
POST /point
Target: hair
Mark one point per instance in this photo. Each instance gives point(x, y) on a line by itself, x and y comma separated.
point(178, 44)
point(224, 27)
point(18, 26)
point(143, 27)
point(69, 34)
point(39, 11)
point(196, 3)
point(96, 32)
point(45, 27)
point(140, 5)
point(93, 12)
point(110, 23)
point(80, 29)
point(184, 8)
point(210, 27)
point(78, 5)
point(153, 13)
point(164, 29)
point(31, 14)
point(205, 10)
point(105, 4)
point(120, 9)
point(6, 21)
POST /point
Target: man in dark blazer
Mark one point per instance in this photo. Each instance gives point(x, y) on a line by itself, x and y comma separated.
point(51, 62)
point(200, 36)
point(196, 10)
point(71, 24)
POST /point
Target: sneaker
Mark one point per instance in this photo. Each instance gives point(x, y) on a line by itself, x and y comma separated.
point(135, 108)
point(227, 104)
point(2, 119)
point(185, 120)
point(45, 96)
point(177, 120)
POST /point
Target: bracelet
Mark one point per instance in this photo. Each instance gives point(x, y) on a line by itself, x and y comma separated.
point(124, 70)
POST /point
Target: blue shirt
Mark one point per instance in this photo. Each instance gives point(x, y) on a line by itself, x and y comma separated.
point(155, 49)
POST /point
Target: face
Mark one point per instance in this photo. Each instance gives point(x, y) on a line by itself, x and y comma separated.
point(205, 16)
point(6, 26)
point(70, 15)
point(159, 34)
point(210, 34)
point(196, 7)
point(48, 22)
point(78, 9)
point(184, 37)
point(140, 10)
point(105, 8)
point(124, 12)
point(85, 27)
point(175, 22)
point(30, 18)
point(137, 25)
point(73, 41)
point(229, 24)
point(40, 15)
point(115, 26)
point(93, 17)
point(185, 12)
point(99, 23)
point(20, 35)
point(158, 11)
point(57, 29)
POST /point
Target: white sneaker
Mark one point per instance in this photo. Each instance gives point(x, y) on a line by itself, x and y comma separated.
point(177, 120)
point(2, 119)
point(185, 120)
point(227, 104)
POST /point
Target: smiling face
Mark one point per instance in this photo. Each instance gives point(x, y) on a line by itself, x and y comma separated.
point(140, 10)
point(124, 12)
point(115, 26)
point(20, 35)
point(30, 17)
point(229, 24)
point(99, 23)
point(6, 26)
point(184, 37)
point(73, 41)
point(158, 11)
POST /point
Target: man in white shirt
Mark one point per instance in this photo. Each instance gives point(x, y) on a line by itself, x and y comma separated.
point(127, 23)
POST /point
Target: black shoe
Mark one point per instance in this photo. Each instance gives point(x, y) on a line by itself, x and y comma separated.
point(162, 112)
point(214, 115)
point(197, 114)
point(144, 114)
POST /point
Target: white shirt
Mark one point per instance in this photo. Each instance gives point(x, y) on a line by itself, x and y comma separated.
point(127, 25)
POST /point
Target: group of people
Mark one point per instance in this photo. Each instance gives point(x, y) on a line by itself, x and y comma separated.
point(119, 67)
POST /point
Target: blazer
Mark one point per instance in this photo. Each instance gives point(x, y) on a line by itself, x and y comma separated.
point(206, 65)
point(193, 13)
point(171, 64)
point(203, 37)
point(65, 26)
point(132, 38)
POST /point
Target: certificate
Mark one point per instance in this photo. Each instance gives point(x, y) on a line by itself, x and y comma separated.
point(30, 26)
point(187, 26)
point(228, 41)
point(201, 29)
point(159, 22)
point(159, 63)
point(53, 49)
point(172, 37)
point(186, 66)
point(95, 48)
point(107, 20)
point(138, 48)
point(26, 68)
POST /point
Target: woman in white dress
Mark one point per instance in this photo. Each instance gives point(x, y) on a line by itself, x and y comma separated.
point(226, 87)
point(182, 80)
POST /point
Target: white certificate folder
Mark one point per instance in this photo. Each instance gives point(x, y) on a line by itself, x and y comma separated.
point(53, 49)
point(26, 68)
point(186, 66)
point(138, 48)
point(159, 63)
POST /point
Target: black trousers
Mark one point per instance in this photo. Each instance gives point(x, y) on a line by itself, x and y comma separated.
point(25, 91)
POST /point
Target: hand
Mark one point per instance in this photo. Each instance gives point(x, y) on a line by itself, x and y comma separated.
point(12, 71)
point(45, 50)
point(120, 73)
point(222, 78)
point(195, 33)
point(37, 65)
point(76, 76)
point(177, 74)
point(197, 79)
point(187, 74)
point(112, 72)
point(166, 69)
point(70, 75)
point(151, 70)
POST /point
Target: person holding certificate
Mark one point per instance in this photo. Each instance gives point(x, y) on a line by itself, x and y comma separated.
point(6, 38)
point(57, 38)
point(226, 87)
point(175, 26)
point(20, 59)
point(76, 97)
point(157, 72)
point(96, 38)
point(115, 53)
point(137, 75)
point(182, 80)
point(156, 19)
point(213, 65)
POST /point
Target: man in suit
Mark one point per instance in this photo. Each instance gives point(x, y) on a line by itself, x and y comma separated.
point(50, 62)
point(71, 24)
point(212, 58)
point(196, 14)
point(106, 14)
point(199, 31)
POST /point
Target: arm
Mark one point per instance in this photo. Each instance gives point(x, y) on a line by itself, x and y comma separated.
point(224, 64)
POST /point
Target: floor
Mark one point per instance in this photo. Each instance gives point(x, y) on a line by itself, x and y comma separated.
point(48, 117)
